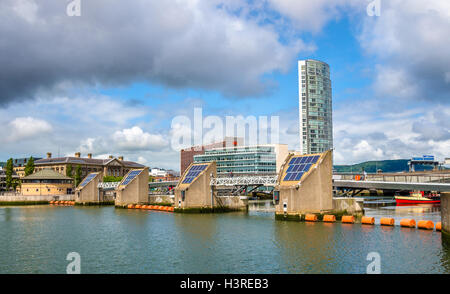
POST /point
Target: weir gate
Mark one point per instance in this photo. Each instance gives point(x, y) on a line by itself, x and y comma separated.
point(133, 189)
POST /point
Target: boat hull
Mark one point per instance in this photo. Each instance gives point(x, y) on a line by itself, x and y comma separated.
point(413, 200)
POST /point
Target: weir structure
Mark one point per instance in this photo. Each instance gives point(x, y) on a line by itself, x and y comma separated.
point(87, 192)
point(304, 186)
point(445, 215)
point(195, 193)
point(133, 189)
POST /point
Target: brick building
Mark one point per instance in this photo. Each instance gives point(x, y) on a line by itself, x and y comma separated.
point(187, 155)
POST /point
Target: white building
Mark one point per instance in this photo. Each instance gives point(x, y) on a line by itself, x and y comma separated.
point(315, 106)
point(156, 172)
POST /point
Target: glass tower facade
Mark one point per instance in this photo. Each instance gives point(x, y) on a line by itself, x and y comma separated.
point(315, 106)
point(242, 160)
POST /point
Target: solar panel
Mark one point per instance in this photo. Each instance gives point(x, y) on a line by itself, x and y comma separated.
point(131, 176)
point(87, 179)
point(298, 166)
point(193, 172)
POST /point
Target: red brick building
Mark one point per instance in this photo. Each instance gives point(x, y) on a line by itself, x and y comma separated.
point(187, 155)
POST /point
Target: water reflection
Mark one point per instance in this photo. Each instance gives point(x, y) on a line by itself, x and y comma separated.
point(113, 240)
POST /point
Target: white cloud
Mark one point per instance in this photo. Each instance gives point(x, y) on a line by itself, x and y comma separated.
point(22, 128)
point(314, 15)
point(136, 139)
point(410, 40)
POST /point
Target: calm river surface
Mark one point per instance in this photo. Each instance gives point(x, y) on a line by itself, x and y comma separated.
point(37, 239)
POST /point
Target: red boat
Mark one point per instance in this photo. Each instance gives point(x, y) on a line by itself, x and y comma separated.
point(419, 198)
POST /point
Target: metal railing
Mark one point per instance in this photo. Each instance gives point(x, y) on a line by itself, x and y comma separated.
point(108, 185)
point(244, 181)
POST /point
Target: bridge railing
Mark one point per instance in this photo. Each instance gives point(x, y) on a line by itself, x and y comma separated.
point(244, 181)
point(108, 185)
point(412, 178)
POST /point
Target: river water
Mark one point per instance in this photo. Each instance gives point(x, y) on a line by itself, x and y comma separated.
point(37, 239)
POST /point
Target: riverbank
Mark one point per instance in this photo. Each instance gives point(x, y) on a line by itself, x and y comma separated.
point(6, 200)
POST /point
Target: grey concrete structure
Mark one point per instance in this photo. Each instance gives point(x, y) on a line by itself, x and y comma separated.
point(313, 193)
point(445, 215)
point(200, 196)
point(89, 193)
point(135, 191)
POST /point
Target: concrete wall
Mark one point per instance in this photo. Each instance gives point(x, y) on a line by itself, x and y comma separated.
point(315, 192)
point(90, 193)
point(231, 202)
point(197, 193)
point(351, 205)
point(161, 199)
point(445, 213)
point(281, 151)
point(34, 198)
point(136, 192)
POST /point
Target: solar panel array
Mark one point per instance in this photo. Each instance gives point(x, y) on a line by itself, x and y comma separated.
point(131, 176)
point(87, 179)
point(193, 172)
point(298, 166)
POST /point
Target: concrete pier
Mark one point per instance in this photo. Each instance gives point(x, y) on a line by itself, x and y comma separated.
point(445, 215)
point(133, 189)
point(305, 187)
point(194, 192)
point(87, 193)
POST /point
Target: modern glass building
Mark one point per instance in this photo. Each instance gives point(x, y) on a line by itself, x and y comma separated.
point(259, 159)
point(316, 122)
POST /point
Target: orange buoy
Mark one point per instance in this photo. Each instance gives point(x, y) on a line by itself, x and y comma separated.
point(406, 222)
point(438, 226)
point(144, 207)
point(311, 218)
point(368, 220)
point(387, 221)
point(160, 207)
point(138, 206)
point(329, 218)
point(425, 225)
point(349, 219)
point(51, 202)
point(130, 206)
point(171, 209)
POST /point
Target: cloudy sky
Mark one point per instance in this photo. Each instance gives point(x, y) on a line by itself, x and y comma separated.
point(111, 80)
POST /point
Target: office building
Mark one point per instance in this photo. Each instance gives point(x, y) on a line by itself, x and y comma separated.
point(187, 155)
point(246, 160)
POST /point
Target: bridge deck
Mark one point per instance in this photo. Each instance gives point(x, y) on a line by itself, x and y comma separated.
point(379, 185)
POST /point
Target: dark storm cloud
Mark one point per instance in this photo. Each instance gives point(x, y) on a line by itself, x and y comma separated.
point(173, 43)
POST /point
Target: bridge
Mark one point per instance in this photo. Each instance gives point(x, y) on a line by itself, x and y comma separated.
point(108, 186)
point(397, 186)
point(379, 181)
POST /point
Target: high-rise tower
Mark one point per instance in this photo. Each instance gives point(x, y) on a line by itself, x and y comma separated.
point(316, 122)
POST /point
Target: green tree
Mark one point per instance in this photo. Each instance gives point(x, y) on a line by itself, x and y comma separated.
point(78, 175)
point(69, 171)
point(112, 179)
point(29, 168)
point(9, 172)
point(15, 184)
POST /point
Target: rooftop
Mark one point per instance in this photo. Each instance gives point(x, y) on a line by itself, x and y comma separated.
point(47, 174)
point(85, 161)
